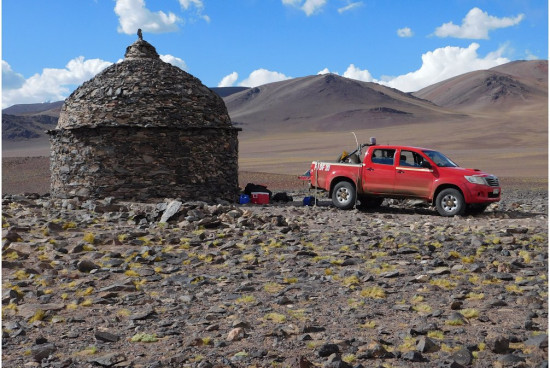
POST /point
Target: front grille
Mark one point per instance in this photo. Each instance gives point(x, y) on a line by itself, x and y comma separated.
point(492, 181)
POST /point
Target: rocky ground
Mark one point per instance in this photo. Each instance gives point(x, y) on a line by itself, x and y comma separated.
point(170, 284)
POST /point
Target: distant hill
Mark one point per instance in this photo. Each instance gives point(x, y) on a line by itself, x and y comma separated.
point(533, 71)
point(17, 128)
point(327, 102)
point(227, 91)
point(46, 108)
point(505, 87)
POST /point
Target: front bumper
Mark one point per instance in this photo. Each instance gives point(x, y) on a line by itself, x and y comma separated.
point(477, 193)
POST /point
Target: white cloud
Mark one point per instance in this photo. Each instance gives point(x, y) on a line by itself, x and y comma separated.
point(199, 8)
point(476, 25)
point(132, 14)
point(350, 6)
point(355, 73)
point(325, 71)
point(312, 6)
point(53, 84)
point(10, 79)
point(309, 7)
point(176, 61)
point(405, 32)
point(229, 80)
point(445, 63)
point(262, 76)
point(530, 56)
point(187, 3)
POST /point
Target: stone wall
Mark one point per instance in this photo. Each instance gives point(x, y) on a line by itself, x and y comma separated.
point(141, 163)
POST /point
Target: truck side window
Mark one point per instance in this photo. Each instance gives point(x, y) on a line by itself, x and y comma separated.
point(409, 158)
point(383, 156)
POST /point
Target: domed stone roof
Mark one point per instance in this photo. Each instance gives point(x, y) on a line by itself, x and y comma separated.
point(143, 91)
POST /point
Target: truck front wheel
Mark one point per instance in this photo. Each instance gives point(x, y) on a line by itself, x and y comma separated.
point(344, 195)
point(450, 202)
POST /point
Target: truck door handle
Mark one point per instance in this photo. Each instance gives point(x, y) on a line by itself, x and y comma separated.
point(370, 169)
point(400, 171)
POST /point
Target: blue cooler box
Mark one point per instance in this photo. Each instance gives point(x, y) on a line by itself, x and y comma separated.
point(309, 201)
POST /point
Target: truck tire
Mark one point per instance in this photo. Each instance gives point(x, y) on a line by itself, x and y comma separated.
point(450, 202)
point(344, 195)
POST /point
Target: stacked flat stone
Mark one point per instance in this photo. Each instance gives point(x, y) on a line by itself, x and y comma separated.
point(144, 129)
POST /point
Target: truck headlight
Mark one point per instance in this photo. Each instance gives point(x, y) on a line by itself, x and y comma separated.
point(476, 180)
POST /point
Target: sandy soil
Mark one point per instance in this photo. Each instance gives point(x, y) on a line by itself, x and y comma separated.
point(31, 175)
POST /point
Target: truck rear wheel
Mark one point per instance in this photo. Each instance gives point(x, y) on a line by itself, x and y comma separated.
point(344, 195)
point(450, 202)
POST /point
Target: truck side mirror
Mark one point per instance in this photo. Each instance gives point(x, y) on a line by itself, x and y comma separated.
point(425, 164)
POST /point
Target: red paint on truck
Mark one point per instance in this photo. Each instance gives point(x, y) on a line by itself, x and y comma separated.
point(406, 172)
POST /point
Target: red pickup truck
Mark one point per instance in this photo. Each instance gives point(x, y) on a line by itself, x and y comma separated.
point(404, 172)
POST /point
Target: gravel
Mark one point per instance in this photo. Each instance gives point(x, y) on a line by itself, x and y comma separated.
point(104, 283)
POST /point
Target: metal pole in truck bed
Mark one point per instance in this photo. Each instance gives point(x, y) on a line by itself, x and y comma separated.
point(316, 182)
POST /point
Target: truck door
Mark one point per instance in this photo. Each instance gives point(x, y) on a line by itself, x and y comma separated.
point(411, 179)
point(379, 171)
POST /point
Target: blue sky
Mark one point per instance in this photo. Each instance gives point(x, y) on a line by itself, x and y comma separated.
point(51, 47)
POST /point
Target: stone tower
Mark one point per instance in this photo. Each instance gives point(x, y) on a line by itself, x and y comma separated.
point(144, 129)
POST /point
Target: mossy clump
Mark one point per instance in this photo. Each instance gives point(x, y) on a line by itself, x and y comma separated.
point(368, 324)
point(87, 303)
point(514, 289)
point(69, 225)
point(470, 313)
point(21, 275)
point(38, 316)
point(475, 296)
point(373, 292)
point(246, 299)
point(454, 322)
point(89, 238)
point(443, 283)
point(275, 317)
point(422, 308)
point(351, 281)
point(436, 334)
point(349, 358)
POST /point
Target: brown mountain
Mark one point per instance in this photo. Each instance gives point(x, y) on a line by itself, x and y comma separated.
point(504, 87)
point(327, 103)
point(331, 103)
point(46, 108)
point(25, 122)
point(495, 119)
point(17, 128)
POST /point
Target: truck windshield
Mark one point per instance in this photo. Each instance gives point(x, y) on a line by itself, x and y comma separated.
point(440, 159)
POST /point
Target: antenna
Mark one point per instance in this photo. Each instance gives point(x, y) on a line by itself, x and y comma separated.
point(359, 154)
point(356, 141)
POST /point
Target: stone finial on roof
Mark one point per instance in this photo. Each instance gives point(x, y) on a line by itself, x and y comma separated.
point(141, 50)
point(140, 35)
